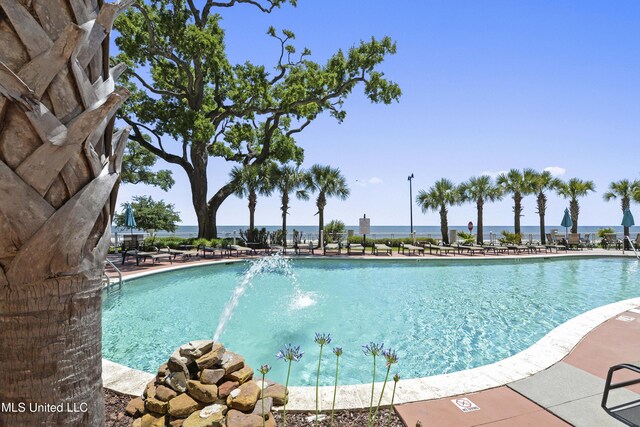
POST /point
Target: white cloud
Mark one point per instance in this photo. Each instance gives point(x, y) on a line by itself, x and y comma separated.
point(555, 170)
point(374, 180)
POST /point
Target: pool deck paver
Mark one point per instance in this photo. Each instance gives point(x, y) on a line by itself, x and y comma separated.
point(429, 399)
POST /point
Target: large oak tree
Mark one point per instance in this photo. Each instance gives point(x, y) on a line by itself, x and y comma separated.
point(189, 102)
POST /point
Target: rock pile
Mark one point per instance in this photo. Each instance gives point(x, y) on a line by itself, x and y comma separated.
point(204, 385)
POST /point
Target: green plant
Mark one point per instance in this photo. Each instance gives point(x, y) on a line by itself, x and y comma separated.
point(510, 238)
point(396, 378)
point(391, 359)
point(150, 214)
point(333, 230)
point(321, 340)
point(201, 242)
point(264, 369)
point(467, 238)
point(338, 352)
point(374, 350)
point(604, 231)
point(289, 354)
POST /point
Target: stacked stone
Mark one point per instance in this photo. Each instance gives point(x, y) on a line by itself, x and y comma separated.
point(203, 385)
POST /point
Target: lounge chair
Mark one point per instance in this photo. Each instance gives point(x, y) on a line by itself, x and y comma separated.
point(355, 249)
point(439, 249)
point(627, 413)
point(517, 249)
point(212, 250)
point(411, 249)
point(377, 247)
point(611, 240)
point(308, 248)
point(332, 247)
point(535, 248)
point(496, 249)
point(241, 249)
point(574, 241)
point(154, 256)
point(184, 254)
point(470, 249)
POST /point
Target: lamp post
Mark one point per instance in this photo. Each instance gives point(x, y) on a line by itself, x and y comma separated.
point(409, 178)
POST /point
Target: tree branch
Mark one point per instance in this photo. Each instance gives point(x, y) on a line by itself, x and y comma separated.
point(158, 151)
point(154, 90)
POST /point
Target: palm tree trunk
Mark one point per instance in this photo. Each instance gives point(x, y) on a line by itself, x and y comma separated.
point(321, 202)
point(444, 227)
point(285, 211)
point(574, 208)
point(59, 169)
point(253, 201)
point(542, 208)
point(517, 210)
point(480, 236)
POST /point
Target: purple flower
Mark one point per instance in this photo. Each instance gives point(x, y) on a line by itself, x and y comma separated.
point(322, 339)
point(372, 349)
point(337, 351)
point(264, 369)
point(391, 356)
point(290, 353)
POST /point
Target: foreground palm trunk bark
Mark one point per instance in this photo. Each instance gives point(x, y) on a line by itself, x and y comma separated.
point(59, 169)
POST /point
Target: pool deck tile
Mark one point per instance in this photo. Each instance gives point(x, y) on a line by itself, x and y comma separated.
point(498, 406)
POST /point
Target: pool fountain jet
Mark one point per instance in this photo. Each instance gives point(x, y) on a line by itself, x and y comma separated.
point(268, 264)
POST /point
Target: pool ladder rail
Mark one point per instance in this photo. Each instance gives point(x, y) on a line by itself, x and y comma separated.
point(632, 247)
point(108, 282)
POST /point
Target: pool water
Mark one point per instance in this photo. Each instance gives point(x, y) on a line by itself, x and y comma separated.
point(440, 317)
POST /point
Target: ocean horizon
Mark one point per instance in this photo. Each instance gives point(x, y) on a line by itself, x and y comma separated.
point(379, 231)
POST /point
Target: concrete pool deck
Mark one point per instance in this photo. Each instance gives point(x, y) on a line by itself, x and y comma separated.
point(499, 402)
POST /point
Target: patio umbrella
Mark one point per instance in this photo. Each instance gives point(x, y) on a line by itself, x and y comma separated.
point(129, 219)
point(566, 222)
point(627, 219)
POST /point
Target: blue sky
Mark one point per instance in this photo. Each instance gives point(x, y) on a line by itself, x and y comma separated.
point(487, 86)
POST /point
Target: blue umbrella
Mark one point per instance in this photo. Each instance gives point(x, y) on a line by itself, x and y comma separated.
point(129, 219)
point(627, 219)
point(566, 222)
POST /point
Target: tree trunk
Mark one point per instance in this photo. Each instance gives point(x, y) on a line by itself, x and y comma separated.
point(59, 169)
point(444, 227)
point(321, 202)
point(199, 187)
point(542, 208)
point(211, 229)
point(285, 211)
point(480, 232)
point(517, 210)
point(574, 208)
point(253, 201)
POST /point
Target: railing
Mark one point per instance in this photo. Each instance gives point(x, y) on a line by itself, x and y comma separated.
point(632, 247)
point(104, 273)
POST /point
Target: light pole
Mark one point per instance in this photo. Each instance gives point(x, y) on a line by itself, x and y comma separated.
point(411, 202)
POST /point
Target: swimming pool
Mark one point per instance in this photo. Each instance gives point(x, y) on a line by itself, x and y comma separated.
point(439, 316)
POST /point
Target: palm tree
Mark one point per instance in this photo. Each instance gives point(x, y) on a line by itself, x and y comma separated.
point(541, 182)
point(625, 190)
point(513, 182)
point(328, 182)
point(59, 169)
point(573, 189)
point(479, 190)
point(249, 181)
point(443, 193)
point(288, 179)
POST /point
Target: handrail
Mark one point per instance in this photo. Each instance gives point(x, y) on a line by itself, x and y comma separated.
point(119, 274)
point(632, 247)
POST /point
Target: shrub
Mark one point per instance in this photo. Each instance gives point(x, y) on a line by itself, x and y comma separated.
point(510, 238)
point(604, 231)
point(334, 230)
point(467, 238)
